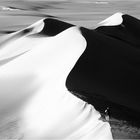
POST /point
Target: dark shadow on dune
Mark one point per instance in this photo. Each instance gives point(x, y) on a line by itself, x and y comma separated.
point(117, 111)
point(128, 31)
point(110, 68)
point(53, 27)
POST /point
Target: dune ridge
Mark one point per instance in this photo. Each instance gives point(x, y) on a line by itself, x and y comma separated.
point(36, 80)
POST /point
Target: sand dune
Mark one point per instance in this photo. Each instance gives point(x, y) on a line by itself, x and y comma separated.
point(17, 15)
point(36, 79)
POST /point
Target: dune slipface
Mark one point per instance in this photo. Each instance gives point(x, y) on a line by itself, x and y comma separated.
point(34, 68)
point(110, 66)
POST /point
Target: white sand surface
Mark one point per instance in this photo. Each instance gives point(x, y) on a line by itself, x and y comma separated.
point(33, 91)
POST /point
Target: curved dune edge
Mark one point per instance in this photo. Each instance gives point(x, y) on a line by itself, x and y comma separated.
point(38, 27)
point(42, 84)
point(115, 19)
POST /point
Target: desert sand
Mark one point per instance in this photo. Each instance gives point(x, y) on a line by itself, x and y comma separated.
point(18, 14)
